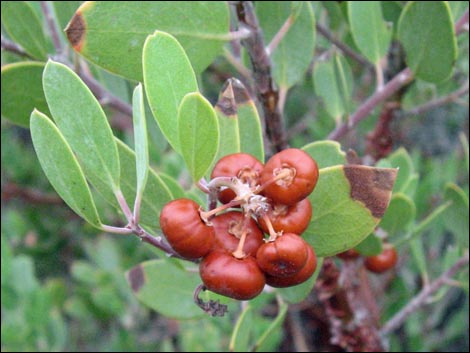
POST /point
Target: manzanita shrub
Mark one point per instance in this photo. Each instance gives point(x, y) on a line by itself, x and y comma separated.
point(240, 213)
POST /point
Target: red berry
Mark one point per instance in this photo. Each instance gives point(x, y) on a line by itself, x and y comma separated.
point(241, 165)
point(289, 219)
point(285, 256)
point(228, 230)
point(224, 274)
point(386, 260)
point(300, 179)
point(350, 254)
point(187, 234)
point(304, 274)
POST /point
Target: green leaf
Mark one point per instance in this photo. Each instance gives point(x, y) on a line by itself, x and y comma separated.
point(168, 77)
point(427, 33)
point(61, 167)
point(298, 293)
point(333, 83)
point(294, 53)
point(22, 268)
point(241, 331)
point(456, 217)
point(22, 91)
point(348, 203)
point(198, 134)
point(401, 159)
point(156, 193)
point(166, 288)
point(464, 143)
point(418, 253)
point(82, 121)
point(6, 261)
point(400, 214)
point(173, 185)
point(112, 34)
point(275, 324)
point(326, 153)
point(24, 27)
point(140, 141)
point(249, 123)
point(335, 16)
point(370, 246)
point(369, 30)
point(64, 10)
point(226, 109)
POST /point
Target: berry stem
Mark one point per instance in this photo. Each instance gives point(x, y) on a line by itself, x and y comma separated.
point(207, 215)
point(272, 233)
point(284, 173)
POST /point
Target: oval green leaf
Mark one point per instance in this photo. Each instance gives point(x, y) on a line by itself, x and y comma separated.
point(333, 83)
point(249, 123)
point(140, 140)
point(370, 246)
point(198, 134)
point(369, 30)
point(61, 167)
point(456, 216)
point(427, 33)
point(241, 331)
point(348, 203)
point(22, 91)
point(24, 27)
point(166, 288)
point(400, 213)
point(112, 35)
point(168, 77)
point(294, 53)
point(326, 153)
point(401, 159)
point(82, 121)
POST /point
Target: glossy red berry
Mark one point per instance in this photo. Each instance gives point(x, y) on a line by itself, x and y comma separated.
point(241, 165)
point(187, 234)
point(289, 219)
point(285, 256)
point(301, 175)
point(228, 229)
point(224, 274)
point(350, 254)
point(386, 260)
point(300, 277)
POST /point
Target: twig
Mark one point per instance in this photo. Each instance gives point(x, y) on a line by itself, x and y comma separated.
point(401, 79)
point(12, 47)
point(261, 63)
point(52, 26)
point(420, 300)
point(33, 196)
point(344, 48)
point(280, 35)
point(297, 331)
point(452, 97)
point(103, 95)
point(237, 64)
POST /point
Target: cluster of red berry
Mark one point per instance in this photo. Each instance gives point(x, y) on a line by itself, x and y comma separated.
point(237, 260)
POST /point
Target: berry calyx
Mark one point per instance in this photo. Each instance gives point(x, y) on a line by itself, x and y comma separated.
point(289, 176)
point(246, 168)
point(229, 228)
point(187, 234)
point(224, 274)
point(288, 219)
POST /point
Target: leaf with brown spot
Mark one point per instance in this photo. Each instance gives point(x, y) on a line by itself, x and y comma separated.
point(348, 203)
point(76, 30)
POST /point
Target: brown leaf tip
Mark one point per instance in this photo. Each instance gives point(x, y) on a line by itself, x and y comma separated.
point(76, 30)
point(226, 102)
point(239, 91)
point(136, 278)
point(371, 186)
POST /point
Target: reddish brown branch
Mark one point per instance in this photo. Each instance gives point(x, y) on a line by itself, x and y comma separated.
point(264, 83)
point(30, 195)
